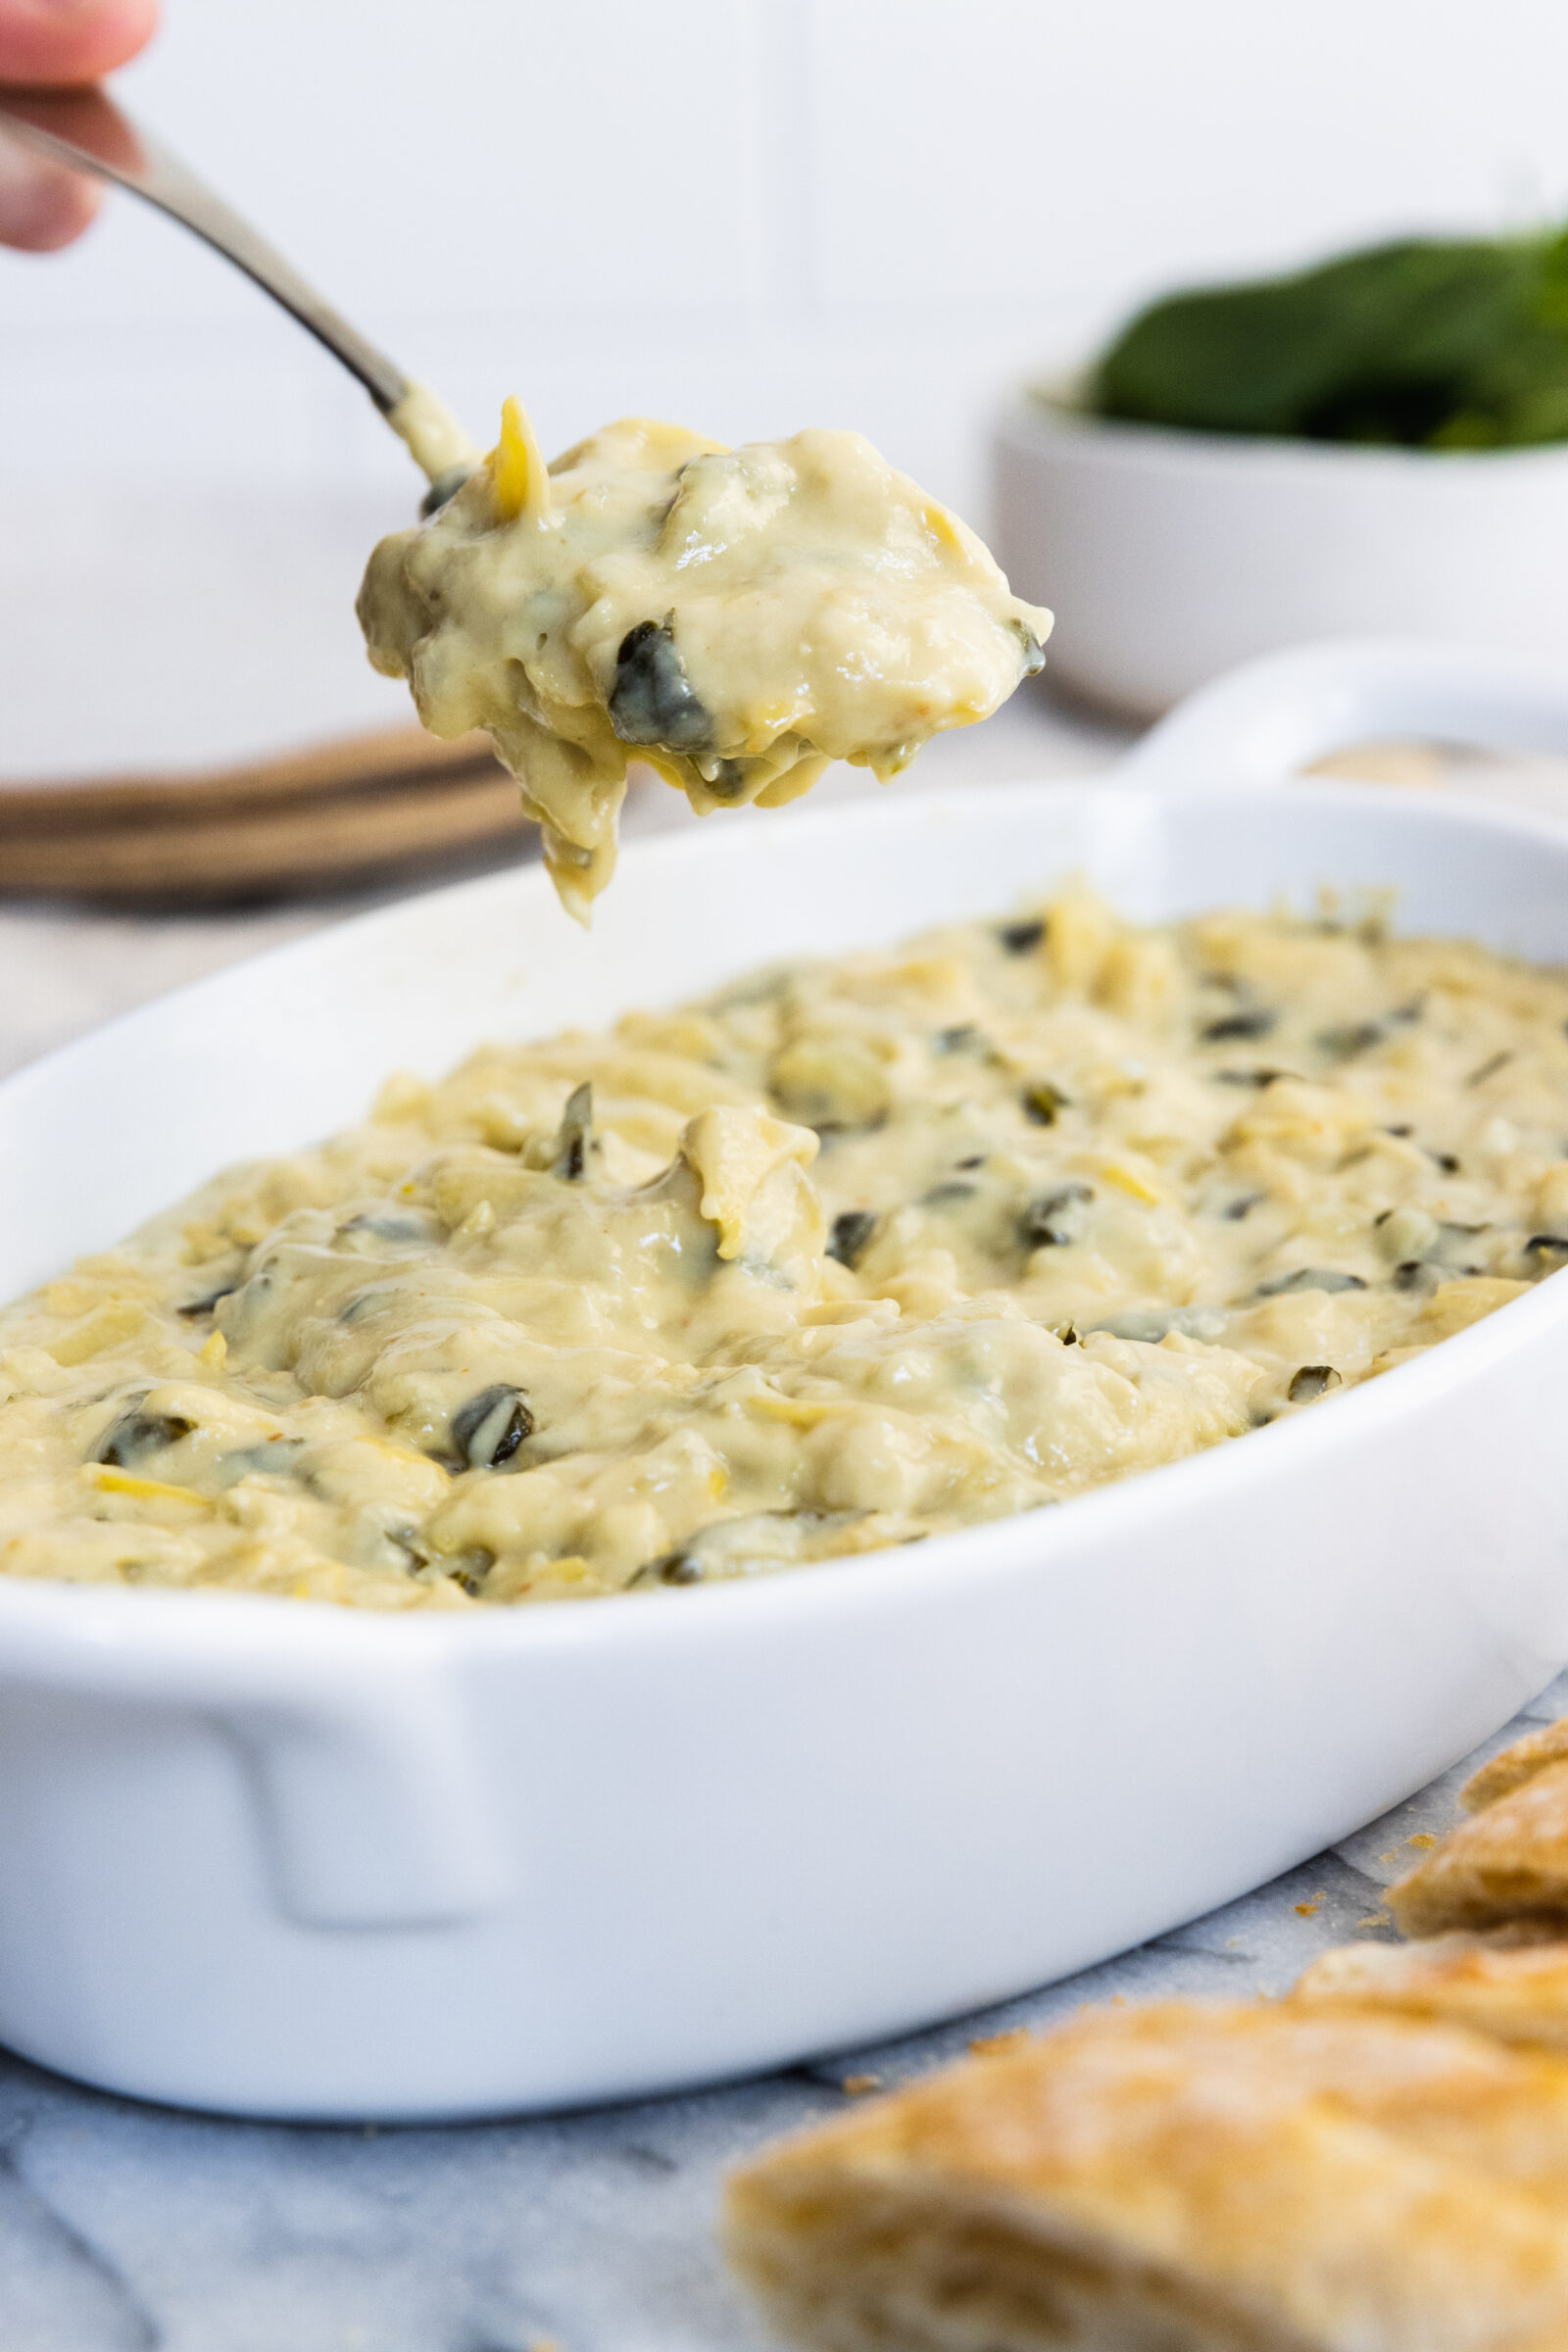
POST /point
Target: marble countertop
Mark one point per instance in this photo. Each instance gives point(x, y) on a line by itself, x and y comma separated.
point(125, 2228)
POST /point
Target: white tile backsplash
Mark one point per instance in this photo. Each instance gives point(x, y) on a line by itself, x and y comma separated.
point(1008, 153)
point(425, 158)
point(145, 631)
point(747, 214)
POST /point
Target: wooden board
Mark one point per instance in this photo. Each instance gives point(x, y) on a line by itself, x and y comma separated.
point(366, 807)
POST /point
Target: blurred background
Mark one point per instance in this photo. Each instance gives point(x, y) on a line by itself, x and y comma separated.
point(745, 212)
point(747, 215)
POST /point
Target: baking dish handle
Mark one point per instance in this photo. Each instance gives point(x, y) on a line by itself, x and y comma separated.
point(1268, 720)
point(375, 1812)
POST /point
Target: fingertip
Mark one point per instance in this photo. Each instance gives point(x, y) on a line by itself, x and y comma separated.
point(72, 41)
point(43, 205)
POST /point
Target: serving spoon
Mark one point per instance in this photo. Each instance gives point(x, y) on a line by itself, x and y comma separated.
point(90, 132)
point(340, 815)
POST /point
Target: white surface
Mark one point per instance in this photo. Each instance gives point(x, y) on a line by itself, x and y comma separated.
point(778, 212)
point(1171, 557)
point(839, 1826)
point(145, 630)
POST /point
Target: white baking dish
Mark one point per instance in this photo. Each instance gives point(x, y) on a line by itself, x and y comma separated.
point(1169, 556)
point(280, 1860)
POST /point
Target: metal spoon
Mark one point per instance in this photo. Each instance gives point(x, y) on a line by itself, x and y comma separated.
point(86, 131)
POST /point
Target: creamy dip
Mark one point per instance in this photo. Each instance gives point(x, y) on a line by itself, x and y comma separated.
point(851, 1253)
point(435, 440)
point(736, 619)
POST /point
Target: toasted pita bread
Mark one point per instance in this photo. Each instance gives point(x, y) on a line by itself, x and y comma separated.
point(1516, 1765)
point(1509, 1861)
point(1511, 1983)
point(1177, 2178)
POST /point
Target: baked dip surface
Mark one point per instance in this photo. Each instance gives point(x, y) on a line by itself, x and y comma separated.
point(849, 1255)
point(735, 618)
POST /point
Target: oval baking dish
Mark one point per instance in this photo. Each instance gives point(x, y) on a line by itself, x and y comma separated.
point(280, 1859)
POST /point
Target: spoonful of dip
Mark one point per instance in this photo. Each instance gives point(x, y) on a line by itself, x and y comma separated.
point(736, 619)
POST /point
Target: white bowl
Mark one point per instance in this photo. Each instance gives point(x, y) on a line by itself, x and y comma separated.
point(276, 1858)
point(1170, 556)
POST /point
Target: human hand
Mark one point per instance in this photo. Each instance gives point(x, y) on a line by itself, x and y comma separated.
point(43, 204)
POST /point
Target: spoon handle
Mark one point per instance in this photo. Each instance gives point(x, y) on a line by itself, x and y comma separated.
point(88, 131)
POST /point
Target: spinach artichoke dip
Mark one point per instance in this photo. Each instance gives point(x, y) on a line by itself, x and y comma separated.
point(736, 619)
point(850, 1255)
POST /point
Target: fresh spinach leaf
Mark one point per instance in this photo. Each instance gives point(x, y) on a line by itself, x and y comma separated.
point(1426, 344)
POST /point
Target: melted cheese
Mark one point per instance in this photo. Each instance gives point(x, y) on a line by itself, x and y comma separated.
point(853, 1253)
point(735, 617)
point(435, 440)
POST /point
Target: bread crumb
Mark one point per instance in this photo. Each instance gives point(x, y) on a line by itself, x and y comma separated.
point(1422, 1838)
point(856, 2085)
point(1306, 1910)
point(1374, 1919)
point(995, 2045)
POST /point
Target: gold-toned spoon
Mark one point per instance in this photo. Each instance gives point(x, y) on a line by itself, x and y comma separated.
point(87, 132)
